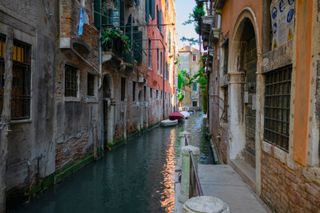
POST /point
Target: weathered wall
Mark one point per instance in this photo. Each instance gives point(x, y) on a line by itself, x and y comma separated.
point(31, 150)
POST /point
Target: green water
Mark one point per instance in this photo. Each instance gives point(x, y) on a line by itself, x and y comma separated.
point(136, 177)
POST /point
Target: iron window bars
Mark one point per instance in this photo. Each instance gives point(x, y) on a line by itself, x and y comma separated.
point(277, 107)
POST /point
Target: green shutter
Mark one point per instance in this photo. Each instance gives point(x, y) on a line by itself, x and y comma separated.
point(147, 10)
point(97, 17)
point(152, 9)
point(137, 45)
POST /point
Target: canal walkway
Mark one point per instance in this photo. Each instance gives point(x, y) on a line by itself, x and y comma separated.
point(223, 182)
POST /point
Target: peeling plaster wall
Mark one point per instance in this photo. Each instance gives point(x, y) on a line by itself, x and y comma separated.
point(31, 149)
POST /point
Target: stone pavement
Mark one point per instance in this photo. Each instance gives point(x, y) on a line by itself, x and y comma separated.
point(223, 182)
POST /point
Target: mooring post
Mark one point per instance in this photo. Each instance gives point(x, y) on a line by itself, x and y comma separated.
point(185, 170)
point(205, 204)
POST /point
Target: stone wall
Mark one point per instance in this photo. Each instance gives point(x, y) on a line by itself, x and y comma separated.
point(288, 190)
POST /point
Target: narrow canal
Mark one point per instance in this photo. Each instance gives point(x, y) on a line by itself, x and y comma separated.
point(136, 177)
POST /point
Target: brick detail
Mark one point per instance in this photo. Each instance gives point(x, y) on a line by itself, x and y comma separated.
point(72, 150)
point(287, 190)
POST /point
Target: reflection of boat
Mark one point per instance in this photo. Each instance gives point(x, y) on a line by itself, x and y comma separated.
point(169, 122)
point(176, 116)
point(185, 114)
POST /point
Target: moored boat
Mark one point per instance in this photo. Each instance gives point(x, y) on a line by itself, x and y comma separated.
point(176, 116)
point(169, 122)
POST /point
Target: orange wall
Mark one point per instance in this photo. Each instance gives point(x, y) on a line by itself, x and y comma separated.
point(232, 10)
point(302, 71)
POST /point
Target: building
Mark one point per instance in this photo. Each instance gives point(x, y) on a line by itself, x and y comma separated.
point(161, 56)
point(190, 62)
point(66, 95)
point(263, 96)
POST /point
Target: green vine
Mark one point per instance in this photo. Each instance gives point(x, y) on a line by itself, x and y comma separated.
point(195, 16)
point(110, 35)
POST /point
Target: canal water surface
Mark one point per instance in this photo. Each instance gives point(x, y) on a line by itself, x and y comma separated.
point(136, 177)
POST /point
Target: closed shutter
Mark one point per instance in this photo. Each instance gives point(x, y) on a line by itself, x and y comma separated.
point(97, 17)
point(137, 45)
point(147, 9)
point(152, 9)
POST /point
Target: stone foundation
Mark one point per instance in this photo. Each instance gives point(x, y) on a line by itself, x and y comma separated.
point(287, 190)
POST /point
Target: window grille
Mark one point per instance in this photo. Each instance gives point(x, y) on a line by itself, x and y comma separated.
point(133, 91)
point(277, 107)
point(2, 46)
point(123, 89)
point(91, 84)
point(225, 57)
point(71, 81)
point(150, 54)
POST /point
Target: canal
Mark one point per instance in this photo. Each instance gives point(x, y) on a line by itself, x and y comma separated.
point(136, 177)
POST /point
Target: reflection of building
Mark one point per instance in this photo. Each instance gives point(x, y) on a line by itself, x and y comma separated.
point(190, 62)
point(263, 96)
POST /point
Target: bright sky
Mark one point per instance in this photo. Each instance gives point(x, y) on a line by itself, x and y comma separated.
point(183, 9)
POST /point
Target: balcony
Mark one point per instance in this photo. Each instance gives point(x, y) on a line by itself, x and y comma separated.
point(210, 30)
point(70, 36)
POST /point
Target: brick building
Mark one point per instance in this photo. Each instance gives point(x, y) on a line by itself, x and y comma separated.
point(263, 96)
point(71, 97)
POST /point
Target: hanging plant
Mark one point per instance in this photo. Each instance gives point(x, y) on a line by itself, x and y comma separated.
point(110, 35)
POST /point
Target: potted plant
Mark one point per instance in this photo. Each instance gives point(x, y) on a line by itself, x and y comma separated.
point(111, 36)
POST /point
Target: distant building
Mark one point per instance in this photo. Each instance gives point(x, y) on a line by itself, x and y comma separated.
point(189, 60)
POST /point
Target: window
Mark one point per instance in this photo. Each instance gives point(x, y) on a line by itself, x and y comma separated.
point(158, 60)
point(194, 103)
point(145, 93)
point(161, 63)
point(123, 89)
point(194, 57)
point(224, 115)
point(150, 54)
point(2, 46)
point(195, 87)
point(169, 41)
point(225, 57)
point(159, 19)
point(71, 81)
point(157, 94)
point(90, 85)
point(151, 92)
point(133, 91)
point(277, 107)
point(21, 82)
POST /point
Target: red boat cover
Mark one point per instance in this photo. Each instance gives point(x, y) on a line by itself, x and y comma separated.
point(176, 116)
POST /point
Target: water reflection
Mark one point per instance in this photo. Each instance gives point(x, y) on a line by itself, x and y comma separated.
point(167, 196)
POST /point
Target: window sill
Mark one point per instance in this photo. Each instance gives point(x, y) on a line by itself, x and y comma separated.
point(71, 99)
point(275, 151)
point(91, 99)
point(23, 121)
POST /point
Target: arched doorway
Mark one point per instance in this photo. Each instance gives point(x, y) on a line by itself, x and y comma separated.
point(243, 81)
point(248, 65)
point(108, 114)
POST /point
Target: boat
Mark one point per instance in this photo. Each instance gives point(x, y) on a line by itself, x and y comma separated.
point(168, 122)
point(176, 116)
point(185, 114)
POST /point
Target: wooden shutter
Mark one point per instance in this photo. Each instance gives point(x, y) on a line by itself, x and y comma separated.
point(97, 16)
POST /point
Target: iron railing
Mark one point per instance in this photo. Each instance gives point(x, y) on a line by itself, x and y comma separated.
point(195, 188)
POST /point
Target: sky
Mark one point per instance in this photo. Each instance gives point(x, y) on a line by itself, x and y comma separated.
point(183, 9)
